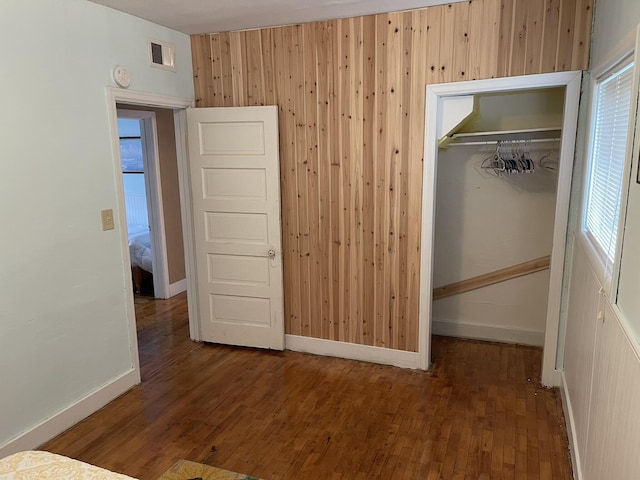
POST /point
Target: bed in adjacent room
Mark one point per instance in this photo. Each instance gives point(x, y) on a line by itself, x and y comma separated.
point(140, 253)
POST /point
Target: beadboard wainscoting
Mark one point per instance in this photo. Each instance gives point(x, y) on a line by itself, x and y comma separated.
point(601, 381)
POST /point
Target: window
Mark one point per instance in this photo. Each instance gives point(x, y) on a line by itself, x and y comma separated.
point(612, 105)
point(133, 177)
point(130, 145)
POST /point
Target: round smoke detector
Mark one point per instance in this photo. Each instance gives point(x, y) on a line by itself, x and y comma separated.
point(121, 76)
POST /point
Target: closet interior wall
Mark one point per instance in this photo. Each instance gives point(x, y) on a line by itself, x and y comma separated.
point(488, 220)
point(351, 98)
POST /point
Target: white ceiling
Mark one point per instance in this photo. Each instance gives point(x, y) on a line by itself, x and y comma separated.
point(207, 16)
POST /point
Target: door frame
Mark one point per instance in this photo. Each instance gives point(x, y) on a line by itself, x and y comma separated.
point(178, 105)
point(153, 187)
point(572, 81)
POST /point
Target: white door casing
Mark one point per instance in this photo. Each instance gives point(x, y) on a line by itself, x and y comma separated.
point(235, 185)
point(572, 82)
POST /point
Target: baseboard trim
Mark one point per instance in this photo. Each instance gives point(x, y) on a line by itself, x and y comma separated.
point(555, 379)
point(352, 351)
point(71, 415)
point(488, 332)
point(571, 429)
point(177, 287)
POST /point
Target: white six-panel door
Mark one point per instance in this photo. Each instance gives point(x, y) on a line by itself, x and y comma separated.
point(235, 183)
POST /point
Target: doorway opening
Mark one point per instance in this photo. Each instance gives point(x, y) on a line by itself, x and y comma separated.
point(154, 226)
point(498, 159)
point(162, 120)
point(139, 156)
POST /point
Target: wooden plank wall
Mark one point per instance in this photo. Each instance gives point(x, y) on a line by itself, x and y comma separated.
point(351, 95)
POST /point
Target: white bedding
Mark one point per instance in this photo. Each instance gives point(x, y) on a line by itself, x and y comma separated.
point(35, 465)
point(140, 247)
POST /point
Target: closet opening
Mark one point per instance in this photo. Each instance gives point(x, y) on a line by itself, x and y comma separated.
point(496, 181)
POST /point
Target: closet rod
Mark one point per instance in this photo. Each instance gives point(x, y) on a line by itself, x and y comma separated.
point(495, 142)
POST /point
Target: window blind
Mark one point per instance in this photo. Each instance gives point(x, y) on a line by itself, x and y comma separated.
point(612, 107)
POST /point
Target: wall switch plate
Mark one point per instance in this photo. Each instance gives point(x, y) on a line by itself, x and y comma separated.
point(107, 219)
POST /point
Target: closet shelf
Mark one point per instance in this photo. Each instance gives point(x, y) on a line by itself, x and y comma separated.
point(534, 135)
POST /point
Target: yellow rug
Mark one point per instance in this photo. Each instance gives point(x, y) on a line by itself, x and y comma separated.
point(186, 470)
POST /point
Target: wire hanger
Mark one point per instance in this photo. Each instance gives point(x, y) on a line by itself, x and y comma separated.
point(551, 160)
point(495, 161)
point(510, 157)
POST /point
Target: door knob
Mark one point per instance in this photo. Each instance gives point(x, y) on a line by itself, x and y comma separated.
point(272, 257)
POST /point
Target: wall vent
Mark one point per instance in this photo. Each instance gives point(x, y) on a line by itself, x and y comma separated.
point(162, 54)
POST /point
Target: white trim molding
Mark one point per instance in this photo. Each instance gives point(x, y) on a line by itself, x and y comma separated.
point(494, 333)
point(434, 96)
point(571, 428)
point(352, 351)
point(131, 97)
point(71, 415)
point(177, 287)
point(184, 185)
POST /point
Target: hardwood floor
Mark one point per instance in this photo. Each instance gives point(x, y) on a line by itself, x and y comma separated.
point(479, 413)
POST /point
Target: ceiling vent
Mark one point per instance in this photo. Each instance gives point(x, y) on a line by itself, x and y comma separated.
point(162, 55)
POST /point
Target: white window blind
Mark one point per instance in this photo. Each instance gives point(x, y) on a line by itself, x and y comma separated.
point(612, 107)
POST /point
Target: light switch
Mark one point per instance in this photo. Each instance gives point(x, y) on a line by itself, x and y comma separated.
point(107, 219)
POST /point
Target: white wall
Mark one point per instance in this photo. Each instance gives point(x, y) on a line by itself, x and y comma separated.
point(63, 326)
point(519, 110)
point(612, 21)
point(485, 223)
point(629, 283)
point(601, 362)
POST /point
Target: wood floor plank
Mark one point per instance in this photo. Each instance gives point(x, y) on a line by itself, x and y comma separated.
point(479, 413)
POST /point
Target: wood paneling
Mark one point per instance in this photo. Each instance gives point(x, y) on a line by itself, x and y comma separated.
point(351, 99)
point(515, 271)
